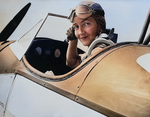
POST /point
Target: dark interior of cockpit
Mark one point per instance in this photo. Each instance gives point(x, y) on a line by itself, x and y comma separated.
point(45, 54)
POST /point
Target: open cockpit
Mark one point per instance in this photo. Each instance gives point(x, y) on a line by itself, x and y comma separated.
point(47, 54)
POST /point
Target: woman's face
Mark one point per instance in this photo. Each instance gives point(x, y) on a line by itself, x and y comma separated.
point(85, 29)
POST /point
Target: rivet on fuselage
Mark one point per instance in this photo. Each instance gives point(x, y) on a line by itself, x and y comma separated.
point(77, 98)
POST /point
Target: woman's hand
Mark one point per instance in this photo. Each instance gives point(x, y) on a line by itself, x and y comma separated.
point(70, 34)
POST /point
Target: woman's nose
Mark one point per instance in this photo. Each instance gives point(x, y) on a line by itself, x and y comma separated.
point(81, 30)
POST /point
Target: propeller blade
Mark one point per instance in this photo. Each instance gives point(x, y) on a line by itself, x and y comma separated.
point(12, 25)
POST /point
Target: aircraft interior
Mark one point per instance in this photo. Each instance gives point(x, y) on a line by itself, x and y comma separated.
point(47, 54)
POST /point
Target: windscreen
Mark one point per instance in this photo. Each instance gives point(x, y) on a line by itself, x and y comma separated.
point(55, 27)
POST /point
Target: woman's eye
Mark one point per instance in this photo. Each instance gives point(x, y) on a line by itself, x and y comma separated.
point(75, 27)
point(86, 24)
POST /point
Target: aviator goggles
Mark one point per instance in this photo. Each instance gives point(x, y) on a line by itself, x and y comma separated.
point(86, 10)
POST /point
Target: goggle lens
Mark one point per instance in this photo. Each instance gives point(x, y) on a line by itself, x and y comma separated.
point(83, 11)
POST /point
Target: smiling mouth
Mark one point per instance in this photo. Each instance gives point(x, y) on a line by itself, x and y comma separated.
point(84, 38)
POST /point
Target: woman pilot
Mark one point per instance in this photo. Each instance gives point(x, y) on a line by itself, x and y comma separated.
point(88, 23)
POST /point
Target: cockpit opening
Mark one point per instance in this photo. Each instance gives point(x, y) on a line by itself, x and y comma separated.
point(48, 56)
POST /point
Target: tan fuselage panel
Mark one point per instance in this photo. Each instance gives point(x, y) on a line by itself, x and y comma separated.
point(8, 60)
point(119, 84)
point(4, 44)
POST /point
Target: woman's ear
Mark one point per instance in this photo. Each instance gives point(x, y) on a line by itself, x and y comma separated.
point(100, 31)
